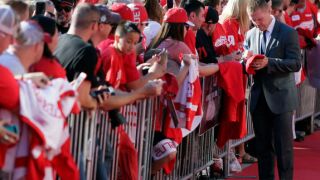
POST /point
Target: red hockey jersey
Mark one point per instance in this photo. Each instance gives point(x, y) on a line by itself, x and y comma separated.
point(219, 40)
point(233, 116)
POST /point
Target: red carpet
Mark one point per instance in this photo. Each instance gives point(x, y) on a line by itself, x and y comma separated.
point(306, 160)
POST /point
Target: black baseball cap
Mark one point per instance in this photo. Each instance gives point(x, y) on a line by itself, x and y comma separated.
point(106, 16)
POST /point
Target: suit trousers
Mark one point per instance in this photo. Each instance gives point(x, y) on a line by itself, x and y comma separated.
point(273, 137)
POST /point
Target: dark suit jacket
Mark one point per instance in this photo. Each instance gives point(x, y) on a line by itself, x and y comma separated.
point(277, 79)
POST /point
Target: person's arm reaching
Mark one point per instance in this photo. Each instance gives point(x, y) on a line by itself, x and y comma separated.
point(152, 88)
point(208, 69)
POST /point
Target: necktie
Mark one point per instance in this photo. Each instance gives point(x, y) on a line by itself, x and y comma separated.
point(264, 42)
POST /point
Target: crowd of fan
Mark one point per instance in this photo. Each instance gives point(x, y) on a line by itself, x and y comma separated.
point(118, 45)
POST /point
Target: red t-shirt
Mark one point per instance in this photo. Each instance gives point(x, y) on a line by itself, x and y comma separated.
point(190, 40)
point(234, 36)
point(119, 69)
point(9, 90)
point(50, 67)
point(106, 43)
point(219, 40)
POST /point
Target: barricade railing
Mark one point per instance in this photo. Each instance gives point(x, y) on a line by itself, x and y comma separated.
point(95, 143)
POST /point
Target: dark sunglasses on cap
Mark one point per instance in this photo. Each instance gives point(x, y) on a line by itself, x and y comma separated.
point(66, 9)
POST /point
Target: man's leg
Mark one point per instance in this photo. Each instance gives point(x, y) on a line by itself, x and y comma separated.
point(283, 142)
point(263, 127)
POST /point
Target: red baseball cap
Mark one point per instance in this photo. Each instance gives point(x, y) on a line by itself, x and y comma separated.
point(124, 11)
point(177, 15)
point(139, 12)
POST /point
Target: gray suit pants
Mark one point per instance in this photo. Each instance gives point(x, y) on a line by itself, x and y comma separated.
point(273, 137)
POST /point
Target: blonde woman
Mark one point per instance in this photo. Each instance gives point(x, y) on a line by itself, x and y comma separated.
point(235, 21)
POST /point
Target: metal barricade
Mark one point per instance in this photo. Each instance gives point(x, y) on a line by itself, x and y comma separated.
point(307, 101)
point(91, 133)
point(317, 104)
point(93, 139)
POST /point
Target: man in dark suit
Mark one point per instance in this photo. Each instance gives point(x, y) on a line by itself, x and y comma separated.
point(273, 94)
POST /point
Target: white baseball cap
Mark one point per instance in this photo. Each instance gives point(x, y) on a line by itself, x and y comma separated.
point(8, 20)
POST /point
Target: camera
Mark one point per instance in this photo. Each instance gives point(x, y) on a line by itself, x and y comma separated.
point(114, 115)
point(40, 8)
point(96, 93)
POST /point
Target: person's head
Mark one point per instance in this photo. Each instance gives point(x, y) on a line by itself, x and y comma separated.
point(212, 17)
point(85, 18)
point(140, 15)
point(236, 9)
point(301, 4)
point(107, 19)
point(154, 10)
point(215, 4)
point(50, 10)
point(49, 27)
point(127, 35)
point(29, 42)
point(195, 11)
point(277, 8)
point(175, 25)
point(286, 3)
point(259, 13)
point(64, 11)
point(20, 8)
point(124, 11)
point(8, 26)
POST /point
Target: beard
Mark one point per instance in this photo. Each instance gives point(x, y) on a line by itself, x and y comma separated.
point(62, 20)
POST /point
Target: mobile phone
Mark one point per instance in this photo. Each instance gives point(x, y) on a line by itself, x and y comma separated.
point(161, 52)
point(77, 82)
point(169, 4)
point(173, 112)
point(12, 128)
point(40, 8)
point(96, 93)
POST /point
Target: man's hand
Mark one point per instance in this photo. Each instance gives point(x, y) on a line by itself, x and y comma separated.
point(258, 64)
point(153, 88)
point(247, 54)
point(7, 137)
point(187, 58)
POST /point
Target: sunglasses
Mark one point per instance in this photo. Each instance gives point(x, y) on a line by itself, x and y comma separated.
point(142, 24)
point(66, 9)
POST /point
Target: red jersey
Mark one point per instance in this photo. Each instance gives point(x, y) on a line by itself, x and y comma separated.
point(190, 40)
point(234, 36)
point(119, 68)
point(219, 40)
point(50, 67)
point(9, 96)
point(303, 19)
